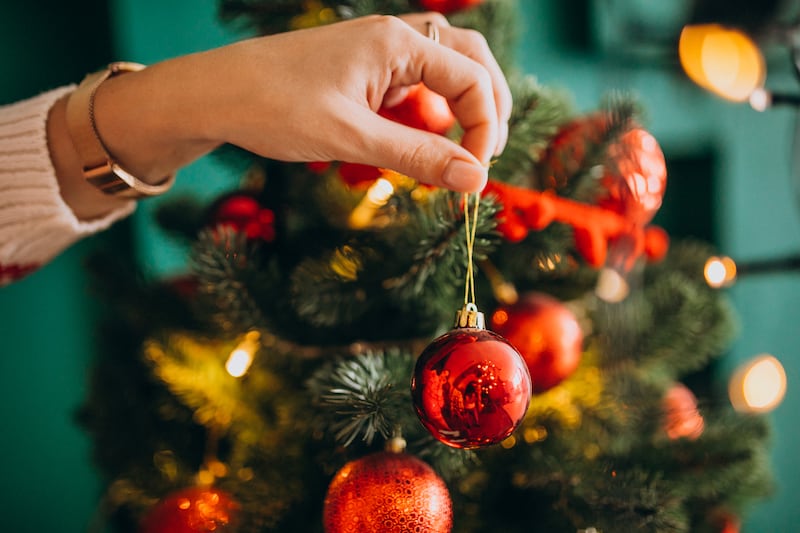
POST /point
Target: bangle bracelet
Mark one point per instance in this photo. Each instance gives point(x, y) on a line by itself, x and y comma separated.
point(99, 168)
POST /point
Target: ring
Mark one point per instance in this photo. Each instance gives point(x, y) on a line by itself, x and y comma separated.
point(432, 31)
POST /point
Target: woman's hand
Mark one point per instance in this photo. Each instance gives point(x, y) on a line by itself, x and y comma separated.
point(307, 95)
point(312, 95)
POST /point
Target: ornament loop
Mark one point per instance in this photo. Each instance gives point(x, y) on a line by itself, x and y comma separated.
point(470, 317)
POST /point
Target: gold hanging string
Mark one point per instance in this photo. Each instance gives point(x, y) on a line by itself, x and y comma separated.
point(471, 228)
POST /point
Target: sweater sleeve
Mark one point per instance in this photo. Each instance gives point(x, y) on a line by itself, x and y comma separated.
point(35, 222)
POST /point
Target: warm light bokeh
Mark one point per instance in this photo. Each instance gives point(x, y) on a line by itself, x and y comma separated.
point(758, 386)
point(719, 271)
point(722, 60)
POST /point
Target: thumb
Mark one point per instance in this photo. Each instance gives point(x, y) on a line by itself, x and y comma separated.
point(427, 157)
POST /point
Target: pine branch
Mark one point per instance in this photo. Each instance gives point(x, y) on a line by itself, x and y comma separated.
point(227, 268)
point(364, 396)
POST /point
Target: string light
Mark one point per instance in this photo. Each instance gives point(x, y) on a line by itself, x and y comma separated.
point(377, 196)
point(241, 357)
point(758, 386)
point(612, 287)
point(722, 60)
point(719, 271)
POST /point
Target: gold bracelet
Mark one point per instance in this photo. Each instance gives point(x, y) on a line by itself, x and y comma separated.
point(99, 168)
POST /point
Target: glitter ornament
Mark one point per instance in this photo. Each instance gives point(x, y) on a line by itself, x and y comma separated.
point(471, 388)
point(546, 333)
point(387, 492)
point(192, 510)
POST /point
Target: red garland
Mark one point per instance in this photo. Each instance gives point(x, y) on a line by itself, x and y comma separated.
point(596, 228)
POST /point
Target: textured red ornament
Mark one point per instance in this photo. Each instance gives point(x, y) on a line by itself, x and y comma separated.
point(243, 213)
point(422, 109)
point(546, 333)
point(471, 388)
point(192, 510)
point(636, 177)
point(390, 493)
point(448, 6)
point(682, 419)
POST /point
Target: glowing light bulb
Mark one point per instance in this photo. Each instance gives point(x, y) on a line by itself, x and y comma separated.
point(377, 196)
point(241, 357)
point(719, 271)
point(611, 286)
point(722, 60)
point(758, 386)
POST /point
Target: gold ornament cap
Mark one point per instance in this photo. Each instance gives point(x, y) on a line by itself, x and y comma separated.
point(469, 317)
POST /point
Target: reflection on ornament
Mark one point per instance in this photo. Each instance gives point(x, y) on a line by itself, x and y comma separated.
point(612, 287)
point(388, 492)
point(719, 271)
point(637, 177)
point(758, 386)
point(471, 387)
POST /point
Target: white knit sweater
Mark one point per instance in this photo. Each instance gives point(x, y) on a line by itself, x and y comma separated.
point(35, 223)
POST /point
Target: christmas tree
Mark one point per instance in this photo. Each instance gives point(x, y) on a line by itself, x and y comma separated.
point(306, 374)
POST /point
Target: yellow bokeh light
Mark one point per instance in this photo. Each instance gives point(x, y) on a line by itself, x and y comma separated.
point(241, 357)
point(719, 271)
point(759, 386)
point(238, 363)
point(722, 60)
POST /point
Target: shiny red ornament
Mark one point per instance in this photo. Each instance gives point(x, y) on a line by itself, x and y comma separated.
point(387, 492)
point(357, 175)
point(245, 214)
point(192, 510)
point(636, 177)
point(422, 109)
point(471, 388)
point(448, 6)
point(547, 335)
point(682, 419)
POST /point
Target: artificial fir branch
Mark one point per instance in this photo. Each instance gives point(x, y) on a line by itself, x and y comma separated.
point(364, 396)
point(438, 266)
point(226, 265)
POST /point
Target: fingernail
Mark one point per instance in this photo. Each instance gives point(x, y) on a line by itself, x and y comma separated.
point(463, 176)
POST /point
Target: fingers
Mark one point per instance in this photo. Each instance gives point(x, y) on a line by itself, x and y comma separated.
point(424, 156)
point(473, 45)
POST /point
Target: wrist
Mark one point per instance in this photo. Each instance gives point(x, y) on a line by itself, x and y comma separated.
point(151, 123)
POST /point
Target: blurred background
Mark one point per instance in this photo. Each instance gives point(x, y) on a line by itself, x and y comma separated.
point(732, 181)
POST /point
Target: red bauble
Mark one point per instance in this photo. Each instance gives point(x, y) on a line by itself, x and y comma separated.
point(192, 510)
point(243, 213)
point(682, 419)
point(470, 388)
point(636, 172)
point(546, 333)
point(356, 174)
point(422, 109)
point(448, 6)
point(390, 493)
point(636, 177)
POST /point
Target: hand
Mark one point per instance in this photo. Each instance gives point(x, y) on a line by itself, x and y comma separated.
point(312, 95)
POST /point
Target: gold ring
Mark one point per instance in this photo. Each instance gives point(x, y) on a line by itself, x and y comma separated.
point(432, 31)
